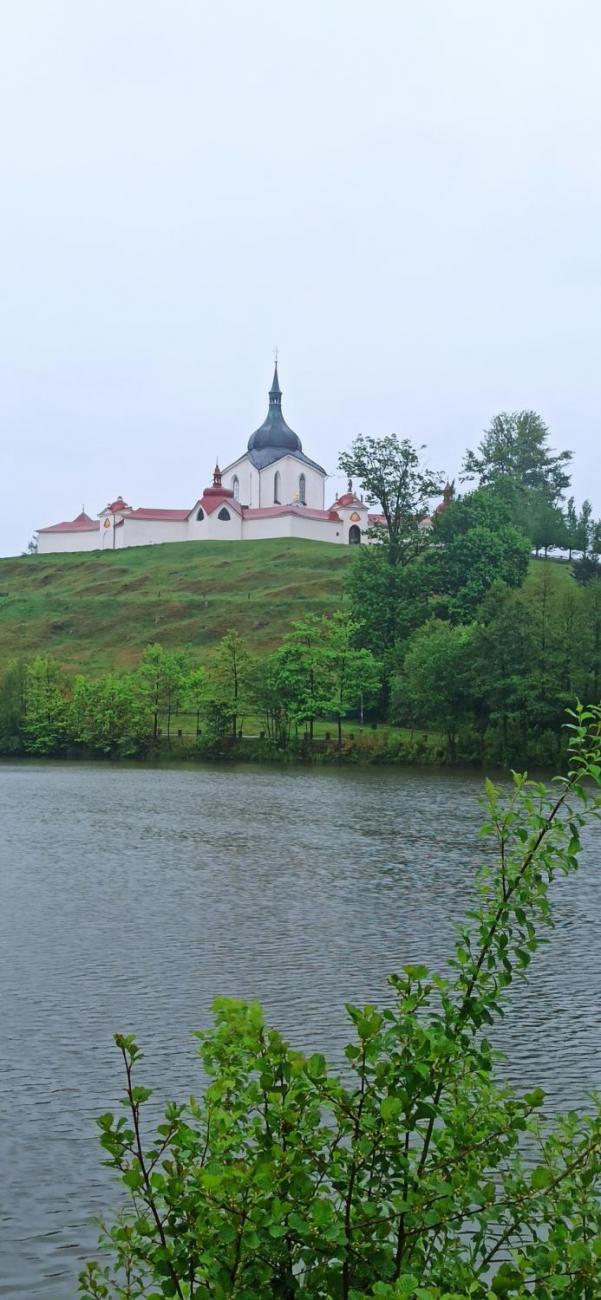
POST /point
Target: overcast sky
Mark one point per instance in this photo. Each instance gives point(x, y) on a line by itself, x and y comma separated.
point(403, 195)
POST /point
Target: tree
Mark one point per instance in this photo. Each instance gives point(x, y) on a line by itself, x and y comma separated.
point(107, 714)
point(402, 1176)
point(393, 478)
point(388, 602)
point(13, 685)
point(571, 526)
point(515, 447)
point(502, 651)
point(547, 525)
point(161, 676)
point(46, 714)
point(305, 671)
point(228, 676)
point(272, 693)
point(584, 530)
point(461, 572)
point(196, 692)
point(435, 679)
point(355, 674)
point(589, 648)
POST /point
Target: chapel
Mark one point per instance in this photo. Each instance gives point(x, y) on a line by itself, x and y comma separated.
point(272, 490)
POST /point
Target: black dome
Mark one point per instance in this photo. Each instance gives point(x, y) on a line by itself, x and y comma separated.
point(274, 432)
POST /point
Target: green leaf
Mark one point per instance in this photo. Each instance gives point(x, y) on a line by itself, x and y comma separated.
point(316, 1066)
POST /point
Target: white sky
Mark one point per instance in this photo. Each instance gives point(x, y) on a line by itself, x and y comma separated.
point(404, 195)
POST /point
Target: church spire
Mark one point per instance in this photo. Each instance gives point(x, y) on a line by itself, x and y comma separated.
point(275, 392)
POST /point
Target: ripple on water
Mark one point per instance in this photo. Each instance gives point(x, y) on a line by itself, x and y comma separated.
point(130, 897)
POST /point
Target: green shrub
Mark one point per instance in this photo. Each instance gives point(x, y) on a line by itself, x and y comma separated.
point(402, 1175)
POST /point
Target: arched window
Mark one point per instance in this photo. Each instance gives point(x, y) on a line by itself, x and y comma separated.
point(302, 490)
point(200, 514)
point(236, 487)
point(276, 489)
point(223, 513)
point(354, 535)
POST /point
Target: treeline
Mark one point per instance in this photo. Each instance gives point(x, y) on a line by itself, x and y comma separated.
point(450, 632)
point(489, 689)
point(473, 639)
point(317, 672)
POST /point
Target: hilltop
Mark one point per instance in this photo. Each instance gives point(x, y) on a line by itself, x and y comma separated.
point(98, 610)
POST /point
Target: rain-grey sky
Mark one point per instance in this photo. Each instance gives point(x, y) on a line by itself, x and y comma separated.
point(404, 195)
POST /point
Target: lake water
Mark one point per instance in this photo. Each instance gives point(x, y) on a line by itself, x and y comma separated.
point(129, 897)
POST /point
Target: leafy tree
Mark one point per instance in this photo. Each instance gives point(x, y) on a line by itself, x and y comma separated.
point(393, 478)
point(12, 706)
point(547, 525)
point(401, 1177)
point(387, 602)
point(305, 671)
point(501, 655)
point(515, 447)
point(588, 646)
point(161, 677)
point(272, 693)
point(355, 673)
point(228, 676)
point(571, 526)
point(46, 715)
point(434, 682)
point(465, 568)
point(108, 715)
point(584, 530)
point(196, 692)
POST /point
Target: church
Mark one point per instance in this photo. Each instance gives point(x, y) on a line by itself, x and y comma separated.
point(272, 490)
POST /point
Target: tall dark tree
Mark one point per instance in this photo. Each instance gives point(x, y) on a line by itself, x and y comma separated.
point(571, 526)
point(515, 446)
point(547, 528)
point(393, 478)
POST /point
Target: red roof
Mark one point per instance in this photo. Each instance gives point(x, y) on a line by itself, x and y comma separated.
point(119, 504)
point(304, 512)
point(210, 502)
point(81, 524)
point(349, 499)
point(146, 513)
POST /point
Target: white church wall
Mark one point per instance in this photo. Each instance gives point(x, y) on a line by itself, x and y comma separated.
point(351, 518)
point(248, 482)
point(317, 530)
point(290, 471)
point(52, 543)
point(224, 530)
point(150, 532)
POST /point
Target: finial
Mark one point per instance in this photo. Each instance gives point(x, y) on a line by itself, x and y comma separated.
point(349, 487)
point(276, 353)
point(217, 475)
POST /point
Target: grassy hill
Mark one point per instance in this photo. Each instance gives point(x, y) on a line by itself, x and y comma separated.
point(99, 610)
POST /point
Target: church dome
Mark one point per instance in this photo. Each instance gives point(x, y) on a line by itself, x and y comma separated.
point(274, 432)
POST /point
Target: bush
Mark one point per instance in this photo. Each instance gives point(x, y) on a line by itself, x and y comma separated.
point(401, 1176)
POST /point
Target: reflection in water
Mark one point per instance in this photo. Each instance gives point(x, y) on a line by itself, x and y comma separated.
point(130, 897)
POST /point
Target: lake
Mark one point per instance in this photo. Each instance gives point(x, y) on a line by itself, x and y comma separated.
point(131, 896)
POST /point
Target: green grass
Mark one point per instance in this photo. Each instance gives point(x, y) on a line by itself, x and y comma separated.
point(98, 610)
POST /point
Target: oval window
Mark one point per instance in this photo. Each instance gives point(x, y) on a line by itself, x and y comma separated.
point(223, 513)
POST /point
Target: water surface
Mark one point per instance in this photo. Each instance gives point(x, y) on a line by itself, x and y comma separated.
point(129, 897)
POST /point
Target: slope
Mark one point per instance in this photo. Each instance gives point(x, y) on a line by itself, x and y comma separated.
point(99, 610)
